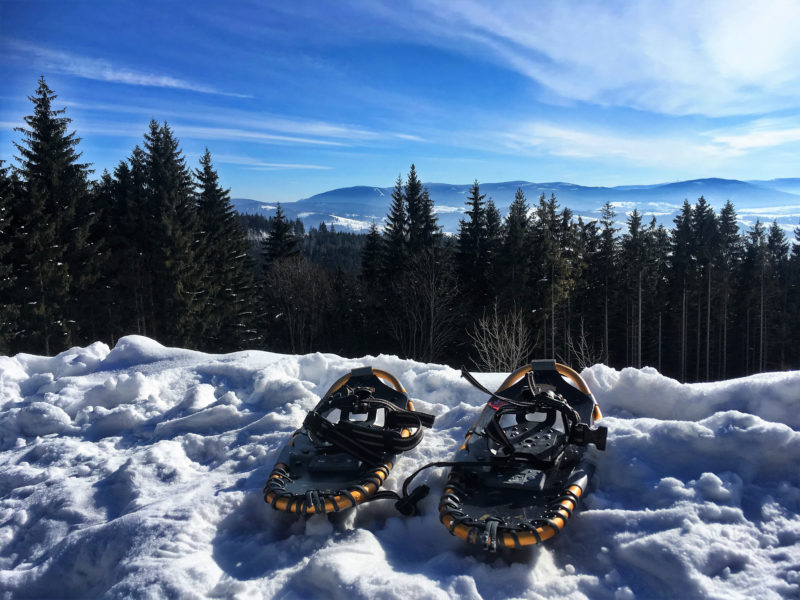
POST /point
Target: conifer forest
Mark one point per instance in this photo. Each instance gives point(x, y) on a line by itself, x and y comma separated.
point(155, 248)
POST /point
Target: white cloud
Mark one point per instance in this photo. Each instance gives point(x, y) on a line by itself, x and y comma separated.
point(260, 165)
point(102, 70)
point(545, 138)
point(761, 133)
point(677, 58)
point(259, 122)
point(227, 133)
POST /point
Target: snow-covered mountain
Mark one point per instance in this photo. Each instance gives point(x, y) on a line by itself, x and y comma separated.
point(138, 472)
point(355, 208)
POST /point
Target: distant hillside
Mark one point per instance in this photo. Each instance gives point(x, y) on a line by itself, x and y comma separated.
point(355, 208)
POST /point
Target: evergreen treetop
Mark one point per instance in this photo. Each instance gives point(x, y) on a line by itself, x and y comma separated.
point(281, 241)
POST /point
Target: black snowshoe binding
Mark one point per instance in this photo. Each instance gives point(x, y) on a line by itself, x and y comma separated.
point(347, 446)
point(520, 472)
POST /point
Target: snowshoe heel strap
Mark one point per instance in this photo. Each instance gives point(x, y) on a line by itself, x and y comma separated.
point(583, 435)
point(407, 505)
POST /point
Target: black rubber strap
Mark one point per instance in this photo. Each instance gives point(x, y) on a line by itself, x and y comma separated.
point(489, 537)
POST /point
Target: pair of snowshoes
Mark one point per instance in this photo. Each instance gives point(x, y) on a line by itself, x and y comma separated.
point(515, 481)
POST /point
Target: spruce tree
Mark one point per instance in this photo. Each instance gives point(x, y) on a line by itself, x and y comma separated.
point(706, 238)
point(370, 258)
point(727, 259)
point(514, 260)
point(494, 241)
point(281, 241)
point(228, 291)
point(634, 261)
point(395, 232)
point(606, 264)
point(175, 273)
point(752, 297)
point(551, 270)
point(51, 224)
point(131, 225)
point(412, 192)
point(471, 255)
point(793, 293)
point(429, 231)
point(776, 285)
point(9, 310)
point(682, 270)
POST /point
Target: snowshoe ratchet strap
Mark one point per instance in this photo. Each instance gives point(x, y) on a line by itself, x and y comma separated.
point(402, 429)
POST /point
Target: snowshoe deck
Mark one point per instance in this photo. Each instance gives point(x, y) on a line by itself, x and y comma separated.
point(347, 445)
point(523, 467)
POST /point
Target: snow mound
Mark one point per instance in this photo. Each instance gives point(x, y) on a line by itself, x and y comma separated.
point(137, 472)
point(647, 393)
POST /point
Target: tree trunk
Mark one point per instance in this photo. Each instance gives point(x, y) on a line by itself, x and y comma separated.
point(659, 342)
point(606, 328)
point(639, 327)
point(708, 328)
point(725, 334)
point(697, 348)
point(683, 337)
point(761, 326)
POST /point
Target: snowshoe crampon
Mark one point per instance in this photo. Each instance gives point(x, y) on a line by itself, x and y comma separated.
point(524, 465)
point(347, 445)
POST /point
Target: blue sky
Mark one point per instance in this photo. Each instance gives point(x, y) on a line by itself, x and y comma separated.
point(294, 99)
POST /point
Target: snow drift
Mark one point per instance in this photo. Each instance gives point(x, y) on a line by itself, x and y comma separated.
point(137, 472)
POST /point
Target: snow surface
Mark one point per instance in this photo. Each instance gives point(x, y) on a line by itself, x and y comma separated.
point(137, 472)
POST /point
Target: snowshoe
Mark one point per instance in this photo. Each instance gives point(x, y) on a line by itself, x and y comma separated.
point(518, 476)
point(347, 446)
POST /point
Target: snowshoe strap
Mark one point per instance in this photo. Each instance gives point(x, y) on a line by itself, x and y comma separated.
point(471, 378)
point(402, 429)
point(496, 433)
point(583, 435)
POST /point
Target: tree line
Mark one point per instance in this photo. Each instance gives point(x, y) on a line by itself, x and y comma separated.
point(155, 248)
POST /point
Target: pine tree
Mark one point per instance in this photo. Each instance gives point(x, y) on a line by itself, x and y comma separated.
point(51, 224)
point(229, 293)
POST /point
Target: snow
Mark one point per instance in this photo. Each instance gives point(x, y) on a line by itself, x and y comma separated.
point(137, 472)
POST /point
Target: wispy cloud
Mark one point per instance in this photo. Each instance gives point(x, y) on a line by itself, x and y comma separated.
point(259, 165)
point(303, 130)
point(226, 133)
point(409, 137)
point(99, 69)
point(573, 142)
point(712, 58)
point(758, 134)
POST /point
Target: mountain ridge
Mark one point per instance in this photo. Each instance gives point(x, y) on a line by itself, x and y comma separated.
point(356, 207)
